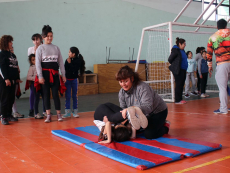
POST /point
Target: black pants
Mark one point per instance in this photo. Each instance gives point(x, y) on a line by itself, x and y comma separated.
point(54, 87)
point(179, 80)
point(110, 110)
point(204, 82)
point(7, 97)
point(37, 100)
point(198, 81)
point(156, 128)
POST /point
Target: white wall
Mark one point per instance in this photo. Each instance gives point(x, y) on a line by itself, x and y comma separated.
point(91, 25)
point(172, 6)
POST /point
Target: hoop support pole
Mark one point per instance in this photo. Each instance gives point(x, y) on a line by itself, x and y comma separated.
point(210, 15)
point(170, 47)
point(139, 51)
point(181, 12)
point(209, 5)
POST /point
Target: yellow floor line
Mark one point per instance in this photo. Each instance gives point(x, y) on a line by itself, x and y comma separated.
point(202, 165)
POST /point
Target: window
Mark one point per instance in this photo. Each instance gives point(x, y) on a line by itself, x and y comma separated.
point(221, 12)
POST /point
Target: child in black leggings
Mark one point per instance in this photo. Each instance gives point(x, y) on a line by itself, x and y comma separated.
point(9, 76)
point(48, 61)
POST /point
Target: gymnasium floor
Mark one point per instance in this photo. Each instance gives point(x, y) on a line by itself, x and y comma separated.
point(29, 146)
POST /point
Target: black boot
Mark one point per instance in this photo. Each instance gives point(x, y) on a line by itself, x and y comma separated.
point(4, 121)
point(31, 113)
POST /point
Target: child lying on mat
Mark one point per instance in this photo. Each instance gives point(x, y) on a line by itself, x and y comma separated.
point(110, 131)
point(116, 126)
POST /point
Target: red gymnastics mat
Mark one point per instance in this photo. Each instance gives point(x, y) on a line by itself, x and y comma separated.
point(139, 153)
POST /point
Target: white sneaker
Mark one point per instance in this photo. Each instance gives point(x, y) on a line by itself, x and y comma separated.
point(134, 121)
point(44, 113)
point(203, 95)
point(18, 115)
point(141, 117)
point(48, 119)
point(38, 116)
point(59, 117)
point(75, 113)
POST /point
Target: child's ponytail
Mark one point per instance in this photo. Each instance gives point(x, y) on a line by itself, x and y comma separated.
point(82, 68)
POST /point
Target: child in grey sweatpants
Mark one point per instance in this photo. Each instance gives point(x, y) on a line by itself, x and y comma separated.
point(190, 75)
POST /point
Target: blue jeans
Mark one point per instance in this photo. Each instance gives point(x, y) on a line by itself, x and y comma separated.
point(71, 84)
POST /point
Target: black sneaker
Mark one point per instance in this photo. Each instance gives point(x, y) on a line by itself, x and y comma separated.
point(31, 113)
point(4, 121)
point(186, 95)
point(11, 118)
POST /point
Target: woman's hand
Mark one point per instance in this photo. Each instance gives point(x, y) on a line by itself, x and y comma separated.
point(201, 76)
point(19, 81)
point(8, 83)
point(41, 80)
point(69, 60)
point(64, 79)
point(210, 70)
point(124, 112)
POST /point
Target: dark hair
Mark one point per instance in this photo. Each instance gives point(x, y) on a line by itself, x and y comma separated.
point(203, 52)
point(221, 24)
point(37, 36)
point(119, 134)
point(45, 30)
point(126, 72)
point(77, 54)
point(179, 40)
point(4, 42)
point(200, 49)
point(197, 50)
point(30, 58)
point(188, 53)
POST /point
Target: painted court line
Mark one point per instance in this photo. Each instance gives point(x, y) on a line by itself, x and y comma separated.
point(202, 165)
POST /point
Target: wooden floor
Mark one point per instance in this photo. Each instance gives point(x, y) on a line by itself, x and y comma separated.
point(29, 146)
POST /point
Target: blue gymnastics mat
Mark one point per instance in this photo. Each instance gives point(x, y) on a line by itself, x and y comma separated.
point(139, 153)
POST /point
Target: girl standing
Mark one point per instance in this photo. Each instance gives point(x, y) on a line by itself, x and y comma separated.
point(179, 65)
point(73, 64)
point(9, 75)
point(190, 75)
point(48, 61)
point(16, 114)
point(198, 58)
point(37, 41)
point(34, 96)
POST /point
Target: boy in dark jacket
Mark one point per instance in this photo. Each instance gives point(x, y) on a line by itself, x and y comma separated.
point(203, 72)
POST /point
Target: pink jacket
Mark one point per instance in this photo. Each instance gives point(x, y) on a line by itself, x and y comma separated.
point(32, 73)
